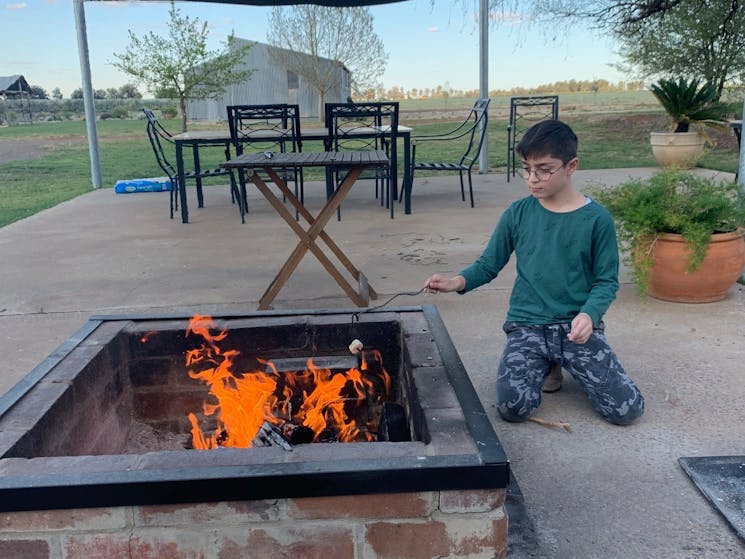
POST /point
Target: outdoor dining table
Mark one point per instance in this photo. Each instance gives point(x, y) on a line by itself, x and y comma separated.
point(195, 139)
point(354, 162)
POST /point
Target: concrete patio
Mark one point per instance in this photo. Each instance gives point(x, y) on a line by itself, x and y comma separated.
point(599, 491)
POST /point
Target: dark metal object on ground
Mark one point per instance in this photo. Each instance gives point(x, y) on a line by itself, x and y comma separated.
point(721, 479)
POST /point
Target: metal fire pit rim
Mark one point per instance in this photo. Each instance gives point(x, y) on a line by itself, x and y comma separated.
point(236, 483)
point(352, 311)
point(487, 468)
point(18, 390)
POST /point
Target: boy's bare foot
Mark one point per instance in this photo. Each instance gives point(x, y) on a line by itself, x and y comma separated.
point(554, 378)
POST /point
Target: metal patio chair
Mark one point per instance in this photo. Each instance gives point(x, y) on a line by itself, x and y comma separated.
point(365, 126)
point(161, 142)
point(524, 113)
point(467, 139)
point(272, 128)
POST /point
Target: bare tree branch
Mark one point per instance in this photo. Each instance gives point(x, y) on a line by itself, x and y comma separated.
point(345, 36)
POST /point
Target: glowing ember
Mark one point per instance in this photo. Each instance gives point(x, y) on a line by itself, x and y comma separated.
point(336, 405)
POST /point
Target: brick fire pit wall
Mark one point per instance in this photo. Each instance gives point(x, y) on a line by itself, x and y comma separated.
point(459, 523)
point(68, 489)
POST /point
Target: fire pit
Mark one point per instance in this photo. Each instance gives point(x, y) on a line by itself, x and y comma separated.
point(112, 417)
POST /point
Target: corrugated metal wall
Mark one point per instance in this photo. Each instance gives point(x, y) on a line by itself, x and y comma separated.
point(268, 84)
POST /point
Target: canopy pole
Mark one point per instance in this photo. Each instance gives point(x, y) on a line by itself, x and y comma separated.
point(741, 166)
point(484, 78)
point(90, 109)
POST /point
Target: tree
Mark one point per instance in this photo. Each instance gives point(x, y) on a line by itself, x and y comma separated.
point(691, 41)
point(56, 93)
point(38, 92)
point(344, 35)
point(129, 91)
point(182, 62)
point(692, 38)
point(605, 14)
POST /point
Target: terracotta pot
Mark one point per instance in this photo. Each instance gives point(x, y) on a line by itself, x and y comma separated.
point(722, 266)
point(677, 149)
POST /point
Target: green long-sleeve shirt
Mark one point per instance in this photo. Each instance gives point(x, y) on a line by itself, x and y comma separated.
point(567, 263)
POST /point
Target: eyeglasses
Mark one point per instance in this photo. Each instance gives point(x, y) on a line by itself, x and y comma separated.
point(541, 174)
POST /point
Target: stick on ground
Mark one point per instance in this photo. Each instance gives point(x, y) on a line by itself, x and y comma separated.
point(558, 424)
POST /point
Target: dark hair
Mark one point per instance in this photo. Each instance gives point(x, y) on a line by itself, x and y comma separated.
point(549, 137)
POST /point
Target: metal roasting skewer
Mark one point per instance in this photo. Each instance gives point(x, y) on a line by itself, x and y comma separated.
point(356, 315)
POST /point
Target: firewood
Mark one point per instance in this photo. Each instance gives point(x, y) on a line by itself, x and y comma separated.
point(558, 424)
point(269, 435)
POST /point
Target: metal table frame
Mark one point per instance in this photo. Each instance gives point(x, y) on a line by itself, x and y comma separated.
point(355, 162)
point(198, 138)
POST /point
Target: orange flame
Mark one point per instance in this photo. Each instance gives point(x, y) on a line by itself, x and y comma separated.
point(328, 403)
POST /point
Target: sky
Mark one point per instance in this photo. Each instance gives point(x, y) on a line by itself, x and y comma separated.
point(427, 45)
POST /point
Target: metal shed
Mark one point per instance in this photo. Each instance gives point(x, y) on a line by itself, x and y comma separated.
point(271, 82)
point(15, 95)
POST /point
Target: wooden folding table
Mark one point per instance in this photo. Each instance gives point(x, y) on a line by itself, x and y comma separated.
point(354, 162)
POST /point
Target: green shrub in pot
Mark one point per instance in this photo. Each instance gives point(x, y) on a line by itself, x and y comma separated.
point(671, 201)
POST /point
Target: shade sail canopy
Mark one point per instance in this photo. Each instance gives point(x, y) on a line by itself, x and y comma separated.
point(330, 3)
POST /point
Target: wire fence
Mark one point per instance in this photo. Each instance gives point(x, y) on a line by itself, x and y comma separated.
point(24, 111)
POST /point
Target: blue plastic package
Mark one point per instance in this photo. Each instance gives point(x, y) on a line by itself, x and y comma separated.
point(155, 184)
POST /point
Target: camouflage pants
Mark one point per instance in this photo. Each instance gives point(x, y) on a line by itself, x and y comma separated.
point(530, 351)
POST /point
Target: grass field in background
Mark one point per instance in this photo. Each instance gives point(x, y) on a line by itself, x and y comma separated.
point(613, 129)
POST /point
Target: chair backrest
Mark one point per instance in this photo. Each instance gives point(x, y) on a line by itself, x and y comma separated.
point(524, 113)
point(356, 126)
point(274, 127)
point(477, 121)
point(158, 136)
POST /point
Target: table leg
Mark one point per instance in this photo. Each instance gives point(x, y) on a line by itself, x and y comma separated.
point(392, 193)
point(307, 237)
point(406, 186)
point(198, 175)
point(303, 211)
point(181, 182)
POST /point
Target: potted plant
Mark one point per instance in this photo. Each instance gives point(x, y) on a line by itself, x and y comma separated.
point(682, 233)
point(687, 103)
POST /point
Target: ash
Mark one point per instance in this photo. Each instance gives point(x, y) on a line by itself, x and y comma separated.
point(146, 438)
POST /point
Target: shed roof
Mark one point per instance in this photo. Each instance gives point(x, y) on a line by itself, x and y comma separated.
point(14, 84)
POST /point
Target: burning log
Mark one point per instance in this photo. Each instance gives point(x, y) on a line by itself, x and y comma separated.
point(269, 435)
point(284, 435)
point(297, 434)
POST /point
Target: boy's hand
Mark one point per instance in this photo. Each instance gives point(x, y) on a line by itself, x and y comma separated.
point(581, 328)
point(437, 283)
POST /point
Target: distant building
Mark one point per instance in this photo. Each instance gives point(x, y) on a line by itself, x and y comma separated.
point(15, 95)
point(270, 83)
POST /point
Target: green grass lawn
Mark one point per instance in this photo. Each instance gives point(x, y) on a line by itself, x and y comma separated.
point(615, 134)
